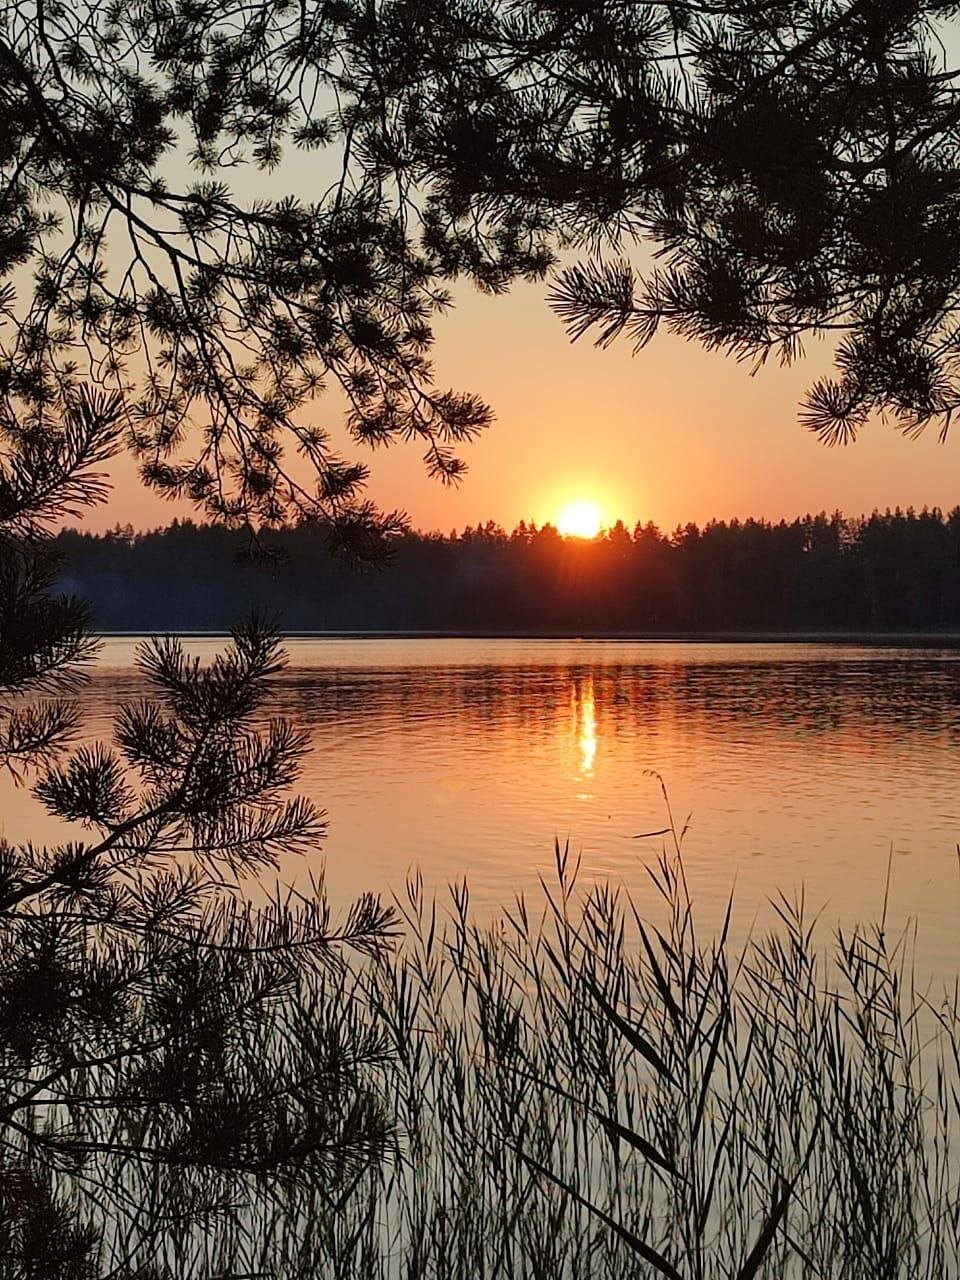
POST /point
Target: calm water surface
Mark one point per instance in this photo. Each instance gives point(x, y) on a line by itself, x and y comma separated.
point(799, 765)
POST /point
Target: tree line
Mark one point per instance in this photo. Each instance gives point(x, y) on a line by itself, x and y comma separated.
point(888, 571)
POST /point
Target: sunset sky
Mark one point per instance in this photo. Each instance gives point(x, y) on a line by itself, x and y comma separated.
point(671, 435)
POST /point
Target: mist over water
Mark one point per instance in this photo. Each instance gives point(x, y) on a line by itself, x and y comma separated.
point(800, 765)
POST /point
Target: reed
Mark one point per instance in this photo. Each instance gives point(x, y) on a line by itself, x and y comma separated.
point(585, 1089)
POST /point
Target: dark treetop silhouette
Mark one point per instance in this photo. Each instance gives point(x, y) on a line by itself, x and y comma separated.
point(897, 571)
point(794, 163)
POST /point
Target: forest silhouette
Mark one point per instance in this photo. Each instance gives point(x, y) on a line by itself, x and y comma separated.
point(886, 572)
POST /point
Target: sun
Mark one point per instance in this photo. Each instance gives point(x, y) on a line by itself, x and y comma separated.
point(580, 519)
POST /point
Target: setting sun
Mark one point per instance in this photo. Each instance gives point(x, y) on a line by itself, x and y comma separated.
point(580, 519)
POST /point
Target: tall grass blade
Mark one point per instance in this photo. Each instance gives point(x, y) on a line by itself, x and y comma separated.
point(615, 1130)
point(633, 1037)
point(639, 1247)
point(765, 1238)
point(658, 976)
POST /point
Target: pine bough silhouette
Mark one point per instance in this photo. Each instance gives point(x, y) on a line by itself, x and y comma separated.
point(168, 1049)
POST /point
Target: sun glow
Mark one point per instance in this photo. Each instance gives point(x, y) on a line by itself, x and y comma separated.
point(580, 519)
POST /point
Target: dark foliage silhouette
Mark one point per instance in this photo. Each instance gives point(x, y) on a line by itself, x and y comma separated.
point(794, 165)
point(892, 571)
point(172, 1053)
point(126, 129)
point(164, 1042)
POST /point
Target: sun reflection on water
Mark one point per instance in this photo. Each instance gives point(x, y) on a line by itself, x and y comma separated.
point(585, 723)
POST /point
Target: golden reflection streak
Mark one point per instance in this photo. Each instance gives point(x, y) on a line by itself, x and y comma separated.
point(585, 724)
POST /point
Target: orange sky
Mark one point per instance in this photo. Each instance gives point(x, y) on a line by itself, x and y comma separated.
point(671, 435)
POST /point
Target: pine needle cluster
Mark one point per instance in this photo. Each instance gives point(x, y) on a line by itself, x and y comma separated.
point(176, 1043)
point(791, 166)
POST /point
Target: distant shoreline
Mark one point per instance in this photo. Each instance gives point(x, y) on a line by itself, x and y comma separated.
point(878, 639)
point(886, 579)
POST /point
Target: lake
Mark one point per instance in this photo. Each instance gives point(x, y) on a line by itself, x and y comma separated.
point(799, 765)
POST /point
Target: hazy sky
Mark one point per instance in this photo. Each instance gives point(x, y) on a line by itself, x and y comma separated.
point(671, 435)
